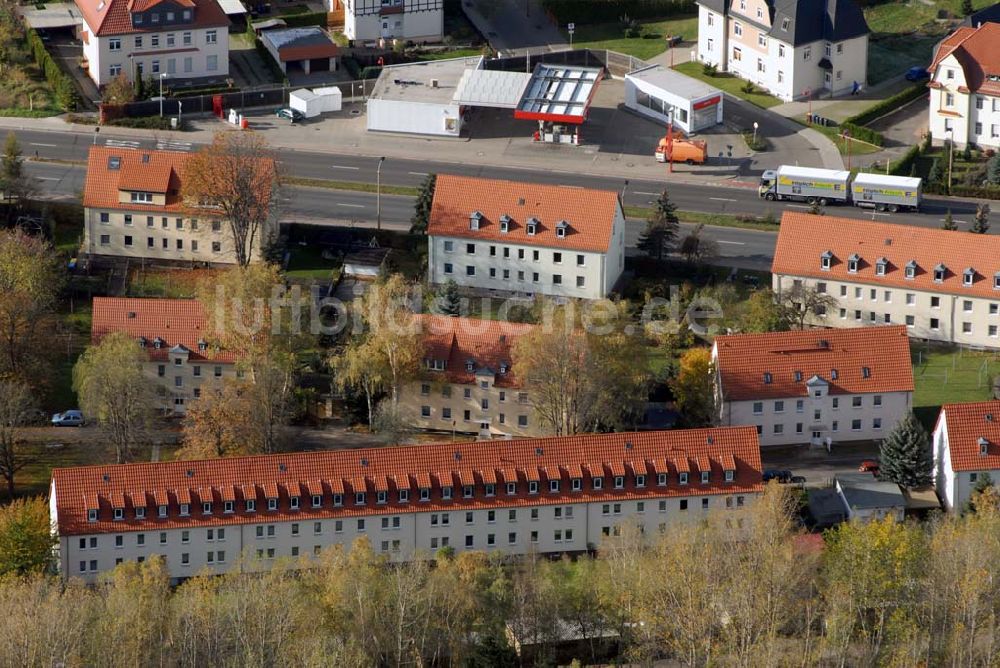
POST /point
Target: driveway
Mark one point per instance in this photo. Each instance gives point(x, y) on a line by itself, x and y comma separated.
point(514, 27)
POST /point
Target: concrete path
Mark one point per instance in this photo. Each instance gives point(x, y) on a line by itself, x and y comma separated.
point(514, 27)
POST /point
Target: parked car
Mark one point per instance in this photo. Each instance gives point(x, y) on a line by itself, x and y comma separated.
point(869, 466)
point(777, 474)
point(71, 418)
point(293, 115)
point(917, 73)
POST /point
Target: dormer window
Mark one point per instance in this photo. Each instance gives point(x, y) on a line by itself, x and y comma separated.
point(381, 496)
point(142, 341)
point(206, 508)
point(446, 492)
point(619, 482)
point(425, 494)
point(561, 228)
point(490, 489)
point(597, 482)
point(984, 446)
point(576, 484)
point(202, 345)
point(996, 281)
point(853, 262)
point(470, 365)
point(532, 226)
point(640, 481)
point(505, 223)
point(910, 271)
point(554, 486)
point(250, 505)
point(825, 260)
point(939, 272)
point(141, 198)
point(467, 491)
point(119, 514)
point(833, 374)
point(436, 365)
point(866, 372)
point(880, 266)
point(272, 504)
point(968, 276)
point(185, 509)
point(140, 512)
point(403, 495)
point(359, 498)
point(474, 219)
point(503, 368)
point(228, 506)
point(338, 500)
point(511, 488)
point(705, 476)
point(532, 487)
point(798, 376)
point(293, 502)
point(161, 511)
point(157, 343)
point(682, 477)
point(114, 163)
point(767, 378)
point(91, 515)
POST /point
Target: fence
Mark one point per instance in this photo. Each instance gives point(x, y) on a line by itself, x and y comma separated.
point(617, 64)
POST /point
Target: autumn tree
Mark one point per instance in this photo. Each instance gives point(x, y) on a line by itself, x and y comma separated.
point(802, 303)
point(15, 404)
point(906, 456)
point(30, 280)
point(118, 91)
point(696, 249)
point(422, 207)
point(17, 186)
point(226, 421)
point(353, 369)
point(112, 387)
point(25, 537)
point(763, 314)
point(981, 220)
point(694, 388)
point(236, 175)
point(662, 228)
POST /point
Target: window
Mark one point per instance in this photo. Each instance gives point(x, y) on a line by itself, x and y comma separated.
point(212, 63)
point(807, 53)
point(470, 270)
point(856, 425)
point(211, 37)
point(105, 239)
point(532, 487)
point(737, 28)
point(758, 407)
point(154, 41)
point(781, 51)
point(554, 485)
point(597, 482)
point(935, 324)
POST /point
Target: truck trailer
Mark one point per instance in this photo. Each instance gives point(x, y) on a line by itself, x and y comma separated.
point(834, 186)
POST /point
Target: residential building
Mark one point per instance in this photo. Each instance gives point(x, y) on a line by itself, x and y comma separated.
point(495, 235)
point(792, 48)
point(966, 443)
point(468, 383)
point(174, 333)
point(866, 499)
point(944, 286)
point(410, 20)
point(548, 496)
point(818, 386)
point(965, 87)
point(133, 208)
point(179, 39)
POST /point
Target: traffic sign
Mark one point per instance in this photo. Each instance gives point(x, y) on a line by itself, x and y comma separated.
point(571, 28)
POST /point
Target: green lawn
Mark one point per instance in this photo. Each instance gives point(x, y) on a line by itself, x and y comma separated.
point(730, 84)
point(651, 43)
point(834, 134)
point(307, 262)
point(444, 55)
point(905, 17)
point(944, 375)
point(891, 55)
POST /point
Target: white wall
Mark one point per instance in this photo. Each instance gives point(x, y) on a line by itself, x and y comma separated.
point(954, 487)
point(414, 117)
point(963, 114)
point(716, 33)
point(411, 24)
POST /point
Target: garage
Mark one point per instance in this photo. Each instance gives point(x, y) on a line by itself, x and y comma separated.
point(301, 50)
point(663, 94)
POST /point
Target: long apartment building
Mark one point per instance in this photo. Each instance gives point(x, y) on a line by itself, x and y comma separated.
point(550, 495)
point(943, 286)
point(494, 235)
point(817, 386)
point(467, 384)
point(793, 48)
point(966, 445)
point(134, 208)
point(174, 333)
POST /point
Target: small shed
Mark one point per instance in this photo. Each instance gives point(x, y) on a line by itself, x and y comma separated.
point(331, 98)
point(661, 93)
point(866, 498)
point(365, 263)
point(314, 102)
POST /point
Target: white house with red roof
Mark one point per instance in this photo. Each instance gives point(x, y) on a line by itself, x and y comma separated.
point(514, 497)
point(818, 386)
point(965, 87)
point(529, 238)
point(468, 384)
point(966, 444)
point(178, 39)
point(174, 333)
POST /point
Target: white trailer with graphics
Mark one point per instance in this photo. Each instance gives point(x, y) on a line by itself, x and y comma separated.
point(886, 193)
point(805, 184)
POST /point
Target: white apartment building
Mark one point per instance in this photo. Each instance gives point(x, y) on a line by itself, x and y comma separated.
point(550, 495)
point(174, 333)
point(181, 39)
point(817, 386)
point(966, 445)
point(468, 384)
point(792, 48)
point(944, 286)
point(965, 87)
point(370, 20)
point(529, 238)
point(133, 208)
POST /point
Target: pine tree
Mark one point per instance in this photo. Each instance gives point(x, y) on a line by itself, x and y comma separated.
point(967, 7)
point(993, 170)
point(949, 222)
point(981, 223)
point(967, 152)
point(661, 228)
point(906, 454)
point(450, 303)
point(422, 207)
point(934, 176)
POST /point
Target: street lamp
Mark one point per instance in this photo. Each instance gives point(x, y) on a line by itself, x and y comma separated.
point(951, 154)
point(755, 126)
point(847, 138)
point(163, 75)
point(378, 195)
point(179, 111)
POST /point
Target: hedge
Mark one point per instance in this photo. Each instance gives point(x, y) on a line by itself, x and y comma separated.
point(902, 166)
point(303, 20)
point(980, 192)
point(269, 61)
point(857, 124)
point(604, 11)
point(351, 65)
point(62, 86)
point(370, 72)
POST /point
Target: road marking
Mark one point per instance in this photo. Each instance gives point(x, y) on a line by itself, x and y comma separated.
point(419, 173)
point(732, 243)
point(722, 199)
point(121, 143)
point(47, 178)
point(344, 167)
point(353, 206)
point(639, 192)
point(45, 145)
point(955, 221)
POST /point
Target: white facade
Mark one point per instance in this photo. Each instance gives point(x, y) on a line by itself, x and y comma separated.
point(541, 528)
point(180, 52)
point(665, 95)
point(955, 488)
point(424, 118)
point(413, 20)
point(713, 43)
point(958, 114)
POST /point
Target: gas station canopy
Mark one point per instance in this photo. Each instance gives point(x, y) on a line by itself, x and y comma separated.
point(559, 94)
point(491, 88)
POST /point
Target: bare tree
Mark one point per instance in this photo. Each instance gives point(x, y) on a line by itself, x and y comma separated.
point(15, 404)
point(803, 303)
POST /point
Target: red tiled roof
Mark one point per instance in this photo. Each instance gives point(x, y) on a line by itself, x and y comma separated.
point(743, 360)
point(589, 213)
point(113, 17)
point(72, 485)
point(488, 344)
point(803, 238)
point(150, 171)
point(966, 424)
point(173, 321)
point(977, 52)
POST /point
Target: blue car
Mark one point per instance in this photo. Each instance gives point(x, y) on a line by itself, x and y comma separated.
point(917, 73)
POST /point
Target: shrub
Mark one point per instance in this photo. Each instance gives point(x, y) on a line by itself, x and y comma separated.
point(864, 134)
point(993, 170)
point(907, 163)
point(934, 175)
point(758, 143)
point(709, 69)
point(370, 72)
point(352, 66)
point(967, 152)
point(63, 89)
point(747, 87)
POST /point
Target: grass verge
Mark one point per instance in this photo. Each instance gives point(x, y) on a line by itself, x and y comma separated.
point(857, 147)
point(406, 191)
point(650, 42)
point(729, 83)
point(715, 219)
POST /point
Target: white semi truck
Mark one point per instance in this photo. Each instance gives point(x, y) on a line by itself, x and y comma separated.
point(836, 186)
